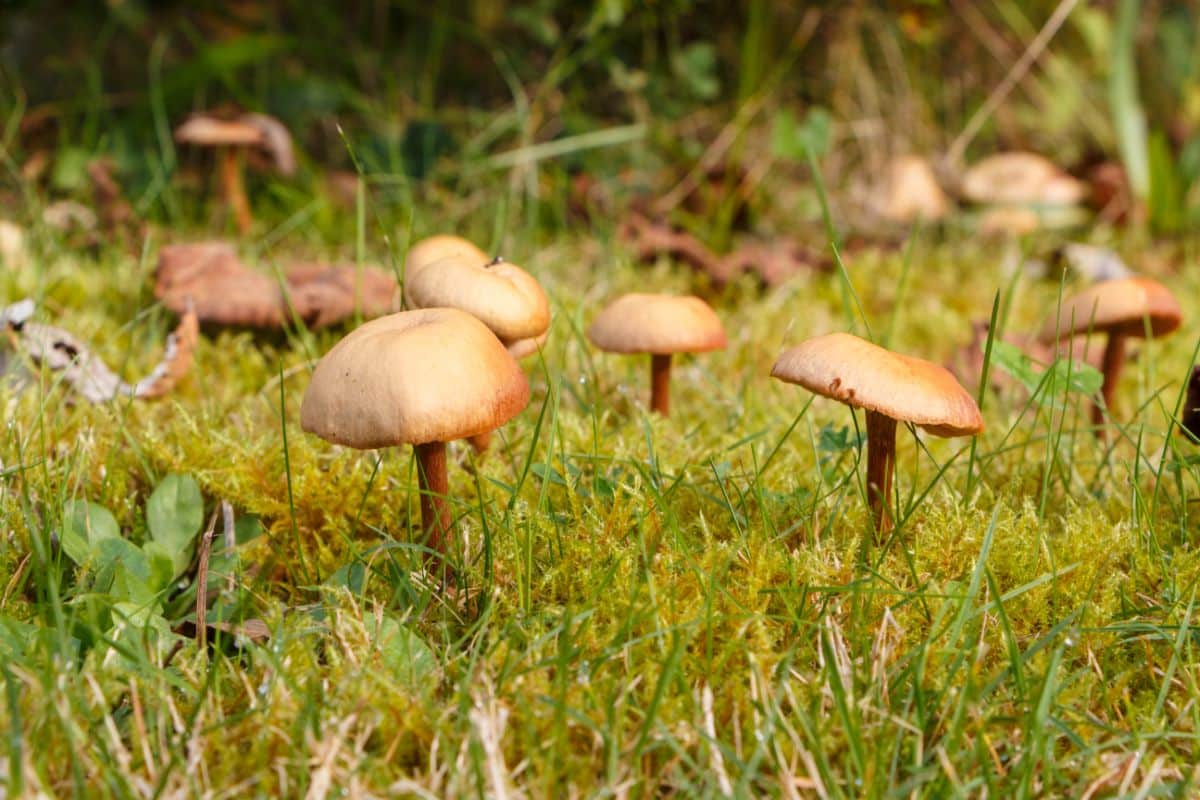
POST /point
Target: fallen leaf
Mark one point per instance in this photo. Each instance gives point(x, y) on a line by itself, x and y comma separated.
point(114, 211)
point(59, 351)
point(66, 215)
point(226, 292)
point(1191, 405)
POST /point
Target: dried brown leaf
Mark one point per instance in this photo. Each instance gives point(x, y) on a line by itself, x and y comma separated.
point(226, 292)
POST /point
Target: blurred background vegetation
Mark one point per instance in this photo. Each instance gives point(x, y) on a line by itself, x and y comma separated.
point(506, 112)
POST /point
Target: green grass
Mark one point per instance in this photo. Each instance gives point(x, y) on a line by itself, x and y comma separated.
point(647, 606)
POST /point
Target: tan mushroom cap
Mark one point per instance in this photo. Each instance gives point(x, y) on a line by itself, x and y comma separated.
point(432, 375)
point(1120, 306)
point(660, 324)
point(205, 131)
point(844, 367)
point(501, 295)
point(1020, 178)
point(438, 247)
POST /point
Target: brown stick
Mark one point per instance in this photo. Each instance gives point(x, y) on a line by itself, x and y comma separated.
point(660, 384)
point(435, 489)
point(233, 189)
point(881, 457)
point(1114, 362)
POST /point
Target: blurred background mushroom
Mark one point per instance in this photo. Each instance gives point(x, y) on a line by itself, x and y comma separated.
point(1122, 309)
point(232, 139)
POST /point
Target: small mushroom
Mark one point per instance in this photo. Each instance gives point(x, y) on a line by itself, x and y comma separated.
point(1020, 178)
point(501, 295)
point(423, 378)
point(910, 191)
point(660, 325)
point(1124, 308)
point(231, 138)
point(890, 387)
point(438, 247)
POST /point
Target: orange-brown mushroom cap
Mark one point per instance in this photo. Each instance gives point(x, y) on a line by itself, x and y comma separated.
point(501, 295)
point(435, 248)
point(844, 367)
point(659, 324)
point(414, 377)
point(1122, 306)
point(205, 131)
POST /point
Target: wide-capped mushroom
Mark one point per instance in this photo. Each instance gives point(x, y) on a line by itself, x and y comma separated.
point(232, 138)
point(423, 378)
point(660, 325)
point(890, 387)
point(501, 295)
point(1124, 308)
point(1019, 178)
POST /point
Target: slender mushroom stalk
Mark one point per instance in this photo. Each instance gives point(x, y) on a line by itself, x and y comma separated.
point(1123, 308)
point(660, 325)
point(660, 383)
point(881, 458)
point(422, 378)
point(889, 387)
point(436, 519)
point(233, 189)
point(233, 138)
point(1113, 364)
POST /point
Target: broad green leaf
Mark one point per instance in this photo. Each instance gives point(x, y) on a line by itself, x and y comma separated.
point(84, 525)
point(175, 514)
point(404, 653)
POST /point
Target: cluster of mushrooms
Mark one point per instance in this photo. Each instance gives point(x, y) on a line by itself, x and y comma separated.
point(447, 368)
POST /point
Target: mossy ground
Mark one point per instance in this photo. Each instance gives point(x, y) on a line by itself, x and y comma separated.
point(647, 606)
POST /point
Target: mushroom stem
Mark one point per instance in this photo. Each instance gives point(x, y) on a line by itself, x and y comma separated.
point(881, 457)
point(233, 189)
point(1114, 362)
point(660, 383)
point(481, 441)
point(435, 508)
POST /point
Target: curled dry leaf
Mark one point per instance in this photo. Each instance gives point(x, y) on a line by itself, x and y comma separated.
point(58, 351)
point(226, 292)
point(773, 260)
point(1191, 405)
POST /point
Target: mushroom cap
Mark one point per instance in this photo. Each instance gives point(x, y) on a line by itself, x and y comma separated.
point(522, 348)
point(661, 324)
point(414, 377)
point(502, 296)
point(910, 191)
point(864, 375)
point(1119, 306)
point(1020, 178)
point(438, 247)
point(205, 131)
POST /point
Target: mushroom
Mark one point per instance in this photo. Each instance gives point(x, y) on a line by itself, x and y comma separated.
point(437, 247)
point(890, 387)
point(423, 378)
point(1019, 178)
point(661, 325)
point(501, 295)
point(230, 138)
point(1123, 308)
point(910, 191)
